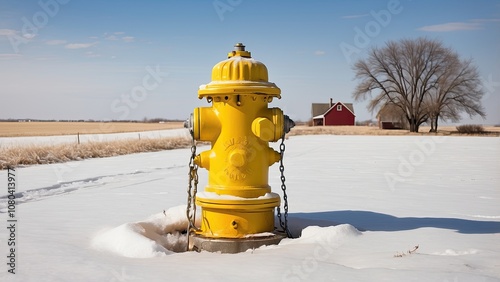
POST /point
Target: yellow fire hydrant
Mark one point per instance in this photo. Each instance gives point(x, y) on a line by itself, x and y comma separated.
point(237, 204)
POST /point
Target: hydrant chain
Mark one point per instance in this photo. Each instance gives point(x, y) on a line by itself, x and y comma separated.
point(283, 223)
point(192, 190)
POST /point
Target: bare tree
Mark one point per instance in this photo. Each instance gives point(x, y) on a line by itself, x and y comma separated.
point(407, 73)
point(458, 90)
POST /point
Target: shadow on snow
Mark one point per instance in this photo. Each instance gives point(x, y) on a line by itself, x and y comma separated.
point(372, 221)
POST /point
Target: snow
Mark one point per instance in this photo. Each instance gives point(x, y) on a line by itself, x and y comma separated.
point(84, 138)
point(159, 235)
point(357, 202)
point(215, 196)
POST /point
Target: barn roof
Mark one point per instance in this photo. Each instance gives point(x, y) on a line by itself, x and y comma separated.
point(319, 109)
point(350, 107)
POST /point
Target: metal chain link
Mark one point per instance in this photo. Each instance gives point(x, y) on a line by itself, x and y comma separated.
point(192, 190)
point(283, 223)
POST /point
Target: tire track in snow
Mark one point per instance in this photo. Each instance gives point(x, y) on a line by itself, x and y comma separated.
point(53, 190)
point(66, 187)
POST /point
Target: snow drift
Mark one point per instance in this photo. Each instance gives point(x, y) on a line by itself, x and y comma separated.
point(165, 233)
point(161, 234)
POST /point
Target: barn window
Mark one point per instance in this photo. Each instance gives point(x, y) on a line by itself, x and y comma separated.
point(339, 108)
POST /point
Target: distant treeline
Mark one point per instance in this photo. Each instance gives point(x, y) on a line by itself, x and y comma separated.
point(145, 120)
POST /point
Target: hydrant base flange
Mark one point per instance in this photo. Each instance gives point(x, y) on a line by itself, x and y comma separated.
point(232, 246)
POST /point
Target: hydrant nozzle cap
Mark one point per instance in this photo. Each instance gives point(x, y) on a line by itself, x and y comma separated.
point(239, 50)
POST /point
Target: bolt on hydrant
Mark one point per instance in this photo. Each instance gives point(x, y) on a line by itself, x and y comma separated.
point(237, 206)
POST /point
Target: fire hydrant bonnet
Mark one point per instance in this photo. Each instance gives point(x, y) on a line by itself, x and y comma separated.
point(239, 74)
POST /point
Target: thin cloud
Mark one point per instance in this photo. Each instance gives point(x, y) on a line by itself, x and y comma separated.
point(11, 32)
point(128, 38)
point(80, 45)
point(29, 35)
point(119, 35)
point(91, 54)
point(485, 20)
point(55, 42)
point(44, 58)
point(454, 26)
point(9, 56)
point(7, 32)
point(355, 16)
point(319, 53)
point(111, 37)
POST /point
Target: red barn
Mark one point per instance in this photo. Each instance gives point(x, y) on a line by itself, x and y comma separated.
point(333, 113)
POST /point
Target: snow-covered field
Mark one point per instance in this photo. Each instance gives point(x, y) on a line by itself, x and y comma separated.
point(59, 139)
point(358, 202)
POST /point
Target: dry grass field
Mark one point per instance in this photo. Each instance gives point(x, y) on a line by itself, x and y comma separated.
point(373, 130)
point(46, 154)
point(16, 129)
point(43, 154)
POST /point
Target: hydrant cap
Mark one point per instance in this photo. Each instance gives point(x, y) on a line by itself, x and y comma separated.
point(239, 74)
point(239, 49)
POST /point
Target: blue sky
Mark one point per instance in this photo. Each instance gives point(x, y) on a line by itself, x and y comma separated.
point(75, 59)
